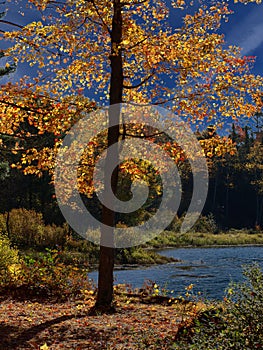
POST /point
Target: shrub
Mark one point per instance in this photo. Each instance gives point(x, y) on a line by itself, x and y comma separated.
point(9, 261)
point(47, 276)
point(8, 255)
point(175, 225)
point(53, 236)
point(205, 224)
point(141, 256)
point(81, 249)
point(246, 307)
point(3, 228)
point(26, 228)
point(237, 324)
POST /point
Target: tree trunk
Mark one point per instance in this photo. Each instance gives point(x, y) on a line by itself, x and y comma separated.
point(215, 192)
point(106, 262)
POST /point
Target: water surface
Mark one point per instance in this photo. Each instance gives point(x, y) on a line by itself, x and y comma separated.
point(209, 269)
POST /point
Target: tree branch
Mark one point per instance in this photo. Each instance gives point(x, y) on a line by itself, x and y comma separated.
point(24, 108)
point(92, 21)
point(124, 133)
point(16, 136)
point(200, 93)
point(10, 24)
point(138, 43)
point(134, 3)
point(141, 82)
point(100, 17)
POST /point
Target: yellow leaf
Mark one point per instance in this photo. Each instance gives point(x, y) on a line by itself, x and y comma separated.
point(125, 42)
point(44, 347)
point(14, 269)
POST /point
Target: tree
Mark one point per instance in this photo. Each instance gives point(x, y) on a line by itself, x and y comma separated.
point(4, 71)
point(125, 51)
point(254, 165)
point(8, 68)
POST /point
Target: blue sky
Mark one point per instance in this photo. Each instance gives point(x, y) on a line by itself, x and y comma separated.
point(244, 29)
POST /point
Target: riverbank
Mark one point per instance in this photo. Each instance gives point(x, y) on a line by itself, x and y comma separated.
point(199, 239)
point(142, 319)
point(149, 254)
point(134, 257)
point(85, 253)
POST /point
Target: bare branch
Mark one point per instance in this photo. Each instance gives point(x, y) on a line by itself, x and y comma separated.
point(11, 24)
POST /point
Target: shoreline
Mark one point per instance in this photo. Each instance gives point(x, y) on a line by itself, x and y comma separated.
point(139, 266)
point(153, 253)
point(207, 246)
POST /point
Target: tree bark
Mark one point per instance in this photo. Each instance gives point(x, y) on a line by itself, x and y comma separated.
point(106, 262)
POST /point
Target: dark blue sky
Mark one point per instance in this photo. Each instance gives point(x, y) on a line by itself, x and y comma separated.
point(245, 29)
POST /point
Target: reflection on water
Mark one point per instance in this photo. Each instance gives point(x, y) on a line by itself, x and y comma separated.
point(191, 275)
point(209, 269)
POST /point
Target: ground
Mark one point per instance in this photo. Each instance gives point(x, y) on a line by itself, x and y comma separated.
point(68, 325)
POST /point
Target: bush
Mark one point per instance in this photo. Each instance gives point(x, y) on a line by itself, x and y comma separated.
point(46, 277)
point(205, 224)
point(53, 236)
point(83, 250)
point(26, 228)
point(8, 255)
point(246, 308)
point(140, 256)
point(237, 324)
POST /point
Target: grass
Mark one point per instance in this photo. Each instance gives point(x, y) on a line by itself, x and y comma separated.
point(82, 252)
point(199, 239)
point(134, 256)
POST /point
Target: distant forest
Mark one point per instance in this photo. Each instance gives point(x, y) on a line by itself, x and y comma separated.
point(235, 197)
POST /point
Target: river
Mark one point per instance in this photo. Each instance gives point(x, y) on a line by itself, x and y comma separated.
point(209, 269)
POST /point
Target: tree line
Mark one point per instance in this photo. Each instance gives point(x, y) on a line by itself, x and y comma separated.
point(235, 196)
